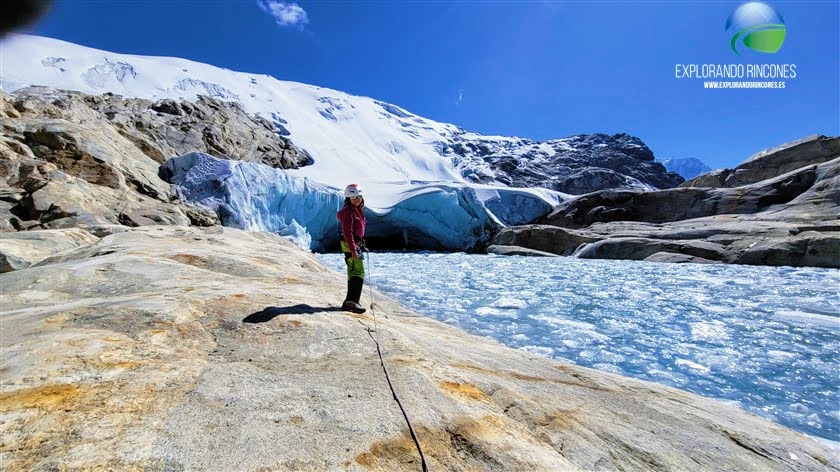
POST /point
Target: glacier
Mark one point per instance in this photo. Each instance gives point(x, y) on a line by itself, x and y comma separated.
point(437, 215)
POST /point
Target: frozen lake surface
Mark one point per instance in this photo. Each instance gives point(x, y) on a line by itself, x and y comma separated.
point(764, 338)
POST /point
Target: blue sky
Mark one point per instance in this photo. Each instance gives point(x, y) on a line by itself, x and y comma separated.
point(539, 70)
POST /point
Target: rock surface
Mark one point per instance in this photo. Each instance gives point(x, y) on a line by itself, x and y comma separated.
point(68, 159)
point(781, 207)
point(19, 250)
point(772, 162)
point(168, 128)
point(181, 348)
point(517, 251)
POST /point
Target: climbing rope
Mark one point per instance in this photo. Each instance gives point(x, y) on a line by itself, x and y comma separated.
point(384, 369)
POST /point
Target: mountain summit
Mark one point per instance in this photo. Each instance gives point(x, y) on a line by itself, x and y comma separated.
point(687, 167)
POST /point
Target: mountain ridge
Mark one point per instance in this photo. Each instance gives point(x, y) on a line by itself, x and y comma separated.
point(344, 134)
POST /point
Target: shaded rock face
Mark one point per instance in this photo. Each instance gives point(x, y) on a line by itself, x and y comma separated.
point(790, 218)
point(685, 203)
point(546, 238)
point(68, 159)
point(576, 165)
point(183, 348)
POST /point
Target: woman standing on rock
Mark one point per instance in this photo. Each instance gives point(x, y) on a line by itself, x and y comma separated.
point(352, 220)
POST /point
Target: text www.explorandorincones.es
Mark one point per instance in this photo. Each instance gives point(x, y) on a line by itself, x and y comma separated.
point(742, 85)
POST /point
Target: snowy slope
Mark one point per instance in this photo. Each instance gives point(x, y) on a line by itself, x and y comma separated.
point(350, 138)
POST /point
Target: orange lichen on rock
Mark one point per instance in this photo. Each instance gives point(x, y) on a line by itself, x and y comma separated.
point(464, 390)
point(44, 397)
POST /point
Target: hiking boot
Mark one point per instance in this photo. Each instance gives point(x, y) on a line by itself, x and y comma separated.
point(355, 307)
point(354, 289)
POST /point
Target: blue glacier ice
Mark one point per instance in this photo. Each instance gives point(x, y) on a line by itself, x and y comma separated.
point(256, 197)
point(427, 215)
point(453, 216)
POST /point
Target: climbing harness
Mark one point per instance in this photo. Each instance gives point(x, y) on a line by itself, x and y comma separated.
point(384, 369)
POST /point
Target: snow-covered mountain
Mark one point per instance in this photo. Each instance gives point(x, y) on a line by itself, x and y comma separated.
point(431, 185)
point(350, 138)
point(687, 167)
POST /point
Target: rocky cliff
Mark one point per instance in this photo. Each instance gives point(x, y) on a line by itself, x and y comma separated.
point(69, 159)
point(183, 348)
point(780, 207)
point(575, 165)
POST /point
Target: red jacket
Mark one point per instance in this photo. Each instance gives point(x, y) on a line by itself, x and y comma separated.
point(352, 221)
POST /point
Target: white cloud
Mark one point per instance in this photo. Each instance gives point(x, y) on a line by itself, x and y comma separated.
point(285, 14)
point(460, 97)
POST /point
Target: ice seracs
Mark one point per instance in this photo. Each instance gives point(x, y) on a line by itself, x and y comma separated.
point(425, 215)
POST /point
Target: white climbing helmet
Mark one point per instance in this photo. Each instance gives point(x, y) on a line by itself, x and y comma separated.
point(353, 190)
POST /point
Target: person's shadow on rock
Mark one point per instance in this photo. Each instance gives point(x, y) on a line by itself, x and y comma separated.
point(269, 313)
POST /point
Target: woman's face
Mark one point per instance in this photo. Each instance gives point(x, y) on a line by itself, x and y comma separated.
point(356, 201)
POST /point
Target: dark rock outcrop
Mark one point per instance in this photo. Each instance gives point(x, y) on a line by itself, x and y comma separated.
point(791, 216)
point(772, 162)
point(576, 165)
point(685, 202)
point(546, 238)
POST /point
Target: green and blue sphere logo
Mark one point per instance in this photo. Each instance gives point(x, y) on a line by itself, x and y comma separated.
point(757, 26)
